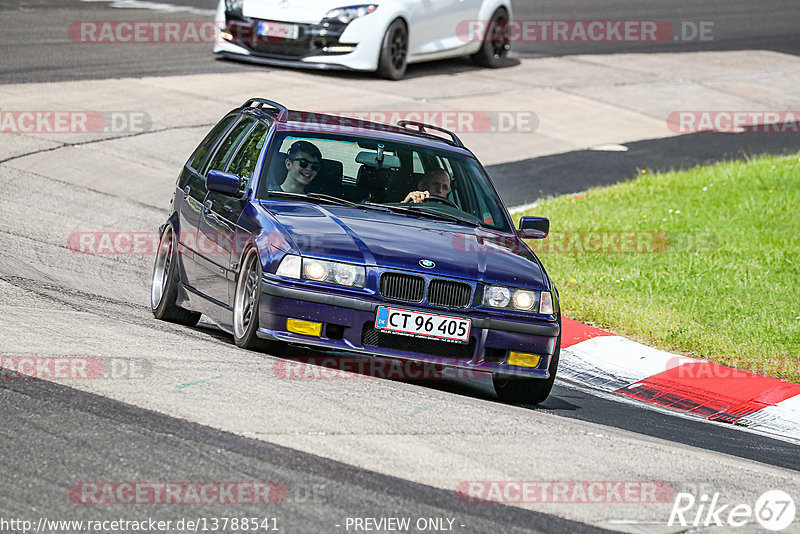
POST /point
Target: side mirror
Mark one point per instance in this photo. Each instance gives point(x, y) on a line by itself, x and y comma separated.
point(534, 227)
point(223, 182)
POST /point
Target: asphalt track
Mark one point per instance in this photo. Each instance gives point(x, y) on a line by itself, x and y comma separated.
point(36, 46)
point(54, 435)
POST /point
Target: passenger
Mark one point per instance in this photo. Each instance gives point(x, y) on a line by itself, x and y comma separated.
point(435, 182)
point(303, 162)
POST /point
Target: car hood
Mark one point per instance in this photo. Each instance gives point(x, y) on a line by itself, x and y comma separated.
point(303, 11)
point(398, 241)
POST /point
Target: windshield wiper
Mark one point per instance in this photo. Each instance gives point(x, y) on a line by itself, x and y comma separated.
point(327, 198)
point(424, 212)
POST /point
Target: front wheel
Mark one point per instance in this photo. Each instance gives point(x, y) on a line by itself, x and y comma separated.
point(496, 42)
point(528, 390)
point(245, 303)
point(164, 288)
point(394, 52)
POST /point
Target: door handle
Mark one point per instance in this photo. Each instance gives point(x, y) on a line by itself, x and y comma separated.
point(207, 206)
point(186, 191)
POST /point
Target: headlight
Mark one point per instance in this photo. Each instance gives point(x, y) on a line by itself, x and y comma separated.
point(524, 300)
point(515, 299)
point(496, 296)
point(346, 14)
point(333, 272)
point(234, 6)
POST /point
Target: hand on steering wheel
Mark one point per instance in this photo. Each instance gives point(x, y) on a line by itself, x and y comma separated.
point(443, 200)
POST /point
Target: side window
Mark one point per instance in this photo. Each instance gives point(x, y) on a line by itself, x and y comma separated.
point(418, 168)
point(244, 162)
point(205, 147)
point(227, 146)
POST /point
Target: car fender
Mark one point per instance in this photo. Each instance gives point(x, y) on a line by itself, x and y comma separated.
point(368, 32)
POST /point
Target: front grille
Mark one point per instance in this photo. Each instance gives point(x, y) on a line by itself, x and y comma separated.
point(405, 287)
point(373, 337)
point(449, 294)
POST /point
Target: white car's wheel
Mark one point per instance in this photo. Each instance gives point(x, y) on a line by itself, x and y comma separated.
point(394, 52)
point(496, 42)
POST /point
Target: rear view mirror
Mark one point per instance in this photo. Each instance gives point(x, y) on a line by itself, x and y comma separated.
point(223, 182)
point(534, 227)
point(370, 159)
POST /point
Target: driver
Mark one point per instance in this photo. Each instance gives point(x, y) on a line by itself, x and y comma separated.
point(435, 182)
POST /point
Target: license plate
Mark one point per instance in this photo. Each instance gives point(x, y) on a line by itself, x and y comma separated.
point(278, 29)
point(419, 324)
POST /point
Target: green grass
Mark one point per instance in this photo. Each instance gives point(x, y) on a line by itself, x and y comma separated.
point(725, 287)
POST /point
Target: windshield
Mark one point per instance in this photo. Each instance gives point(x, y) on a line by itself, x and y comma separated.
point(402, 177)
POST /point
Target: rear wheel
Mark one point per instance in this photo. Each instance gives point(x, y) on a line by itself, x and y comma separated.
point(394, 52)
point(528, 390)
point(164, 288)
point(496, 42)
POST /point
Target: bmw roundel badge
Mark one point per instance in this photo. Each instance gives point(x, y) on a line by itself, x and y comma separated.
point(428, 264)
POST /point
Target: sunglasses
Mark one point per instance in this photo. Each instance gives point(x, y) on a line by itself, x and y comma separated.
point(304, 163)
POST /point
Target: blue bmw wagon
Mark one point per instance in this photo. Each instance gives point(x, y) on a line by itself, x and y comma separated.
point(357, 238)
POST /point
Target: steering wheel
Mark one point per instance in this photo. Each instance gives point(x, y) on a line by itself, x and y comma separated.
point(442, 200)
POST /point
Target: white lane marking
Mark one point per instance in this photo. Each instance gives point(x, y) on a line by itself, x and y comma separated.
point(525, 207)
point(609, 148)
point(156, 6)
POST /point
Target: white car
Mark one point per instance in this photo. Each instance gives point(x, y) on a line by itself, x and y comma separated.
point(383, 37)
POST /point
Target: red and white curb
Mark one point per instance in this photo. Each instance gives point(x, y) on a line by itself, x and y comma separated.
point(612, 363)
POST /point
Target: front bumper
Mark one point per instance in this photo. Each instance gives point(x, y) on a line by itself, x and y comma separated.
point(318, 46)
point(348, 327)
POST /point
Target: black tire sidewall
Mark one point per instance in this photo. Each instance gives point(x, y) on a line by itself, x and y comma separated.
point(386, 68)
point(485, 56)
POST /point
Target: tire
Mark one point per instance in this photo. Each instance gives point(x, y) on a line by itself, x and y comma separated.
point(528, 390)
point(245, 303)
point(164, 286)
point(394, 52)
point(496, 42)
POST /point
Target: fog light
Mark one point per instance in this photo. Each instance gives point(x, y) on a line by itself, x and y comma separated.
point(305, 328)
point(523, 359)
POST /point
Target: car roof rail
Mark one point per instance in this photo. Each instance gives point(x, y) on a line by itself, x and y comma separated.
point(422, 128)
point(283, 111)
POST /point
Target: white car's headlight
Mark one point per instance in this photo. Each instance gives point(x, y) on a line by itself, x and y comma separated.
point(333, 272)
point(518, 299)
point(346, 14)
